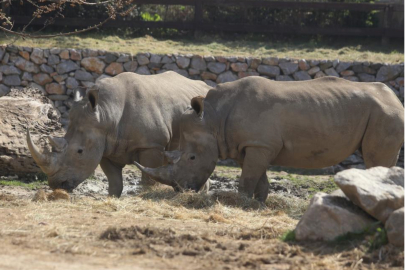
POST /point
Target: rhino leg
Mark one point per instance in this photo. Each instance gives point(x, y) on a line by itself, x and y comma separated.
point(151, 158)
point(254, 169)
point(262, 189)
point(114, 175)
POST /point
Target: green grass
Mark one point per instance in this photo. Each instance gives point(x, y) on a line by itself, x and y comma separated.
point(17, 183)
point(288, 236)
point(345, 49)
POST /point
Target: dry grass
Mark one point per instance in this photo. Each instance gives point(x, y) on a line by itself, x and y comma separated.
point(343, 49)
point(162, 229)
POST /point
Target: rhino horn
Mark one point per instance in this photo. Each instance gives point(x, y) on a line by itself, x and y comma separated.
point(59, 144)
point(173, 156)
point(161, 174)
point(39, 158)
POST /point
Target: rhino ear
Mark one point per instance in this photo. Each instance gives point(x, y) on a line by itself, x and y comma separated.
point(197, 103)
point(92, 96)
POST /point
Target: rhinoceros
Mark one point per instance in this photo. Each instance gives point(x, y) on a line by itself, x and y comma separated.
point(259, 122)
point(123, 119)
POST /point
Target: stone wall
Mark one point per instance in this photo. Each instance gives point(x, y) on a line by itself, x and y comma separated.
point(58, 72)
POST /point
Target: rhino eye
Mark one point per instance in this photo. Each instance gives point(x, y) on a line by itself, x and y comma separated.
point(192, 157)
point(80, 151)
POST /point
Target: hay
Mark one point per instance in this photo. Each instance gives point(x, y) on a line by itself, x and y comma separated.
point(57, 194)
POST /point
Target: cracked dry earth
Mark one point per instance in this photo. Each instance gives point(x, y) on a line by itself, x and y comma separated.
point(161, 229)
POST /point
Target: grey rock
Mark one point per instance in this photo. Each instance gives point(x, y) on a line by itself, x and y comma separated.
point(271, 61)
point(123, 58)
point(58, 97)
point(37, 86)
point(331, 72)
point(192, 71)
point(288, 67)
point(66, 67)
point(301, 76)
point(198, 63)
point(395, 228)
point(232, 59)
point(271, 71)
point(183, 62)
point(37, 56)
point(319, 74)
point(312, 71)
point(46, 68)
point(89, 53)
point(351, 78)
point(42, 78)
point(142, 59)
point(2, 52)
point(131, 66)
point(314, 63)
point(6, 57)
point(237, 67)
point(26, 65)
point(167, 60)
point(83, 75)
point(171, 66)
point(364, 77)
point(254, 62)
point(209, 58)
point(72, 83)
point(75, 55)
point(27, 76)
point(9, 70)
point(374, 190)
point(211, 83)
point(216, 68)
point(4, 90)
point(87, 84)
point(325, 64)
point(143, 70)
point(55, 51)
point(343, 66)
point(53, 59)
point(387, 73)
point(227, 77)
point(155, 59)
point(330, 216)
point(182, 72)
point(284, 78)
point(60, 78)
point(335, 63)
point(363, 69)
point(12, 80)
point(109, 58)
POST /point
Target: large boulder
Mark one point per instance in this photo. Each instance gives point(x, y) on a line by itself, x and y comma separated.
point(379, 191)
point(18, 111)
point(395, 228)
point(330, 216)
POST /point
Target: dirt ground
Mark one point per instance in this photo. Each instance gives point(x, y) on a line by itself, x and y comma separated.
point(161, 229)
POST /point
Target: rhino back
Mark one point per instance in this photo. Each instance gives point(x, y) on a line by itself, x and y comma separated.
point(143, 111)
point(311, 120)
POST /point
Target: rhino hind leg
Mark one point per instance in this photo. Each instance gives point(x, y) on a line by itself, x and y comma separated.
point(382, 143)
point(262, 189)
point(151, 158)
point(114, 176)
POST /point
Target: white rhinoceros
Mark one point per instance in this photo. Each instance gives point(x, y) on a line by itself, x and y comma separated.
point(123, 119)
point(258, 122)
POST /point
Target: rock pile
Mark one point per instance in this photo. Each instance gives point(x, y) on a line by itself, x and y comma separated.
point(18, 111)
point(366, 196)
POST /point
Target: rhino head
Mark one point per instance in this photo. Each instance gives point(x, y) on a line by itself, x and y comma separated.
point(75, 156)
point(191, 165)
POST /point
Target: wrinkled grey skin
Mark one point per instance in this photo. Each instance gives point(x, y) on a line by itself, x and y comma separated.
point(123, 119)
point(258, 122)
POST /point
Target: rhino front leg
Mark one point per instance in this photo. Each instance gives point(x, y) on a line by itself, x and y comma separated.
point(262, 188)
point(151, 158)
point(253, 179)
point(114, 176)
